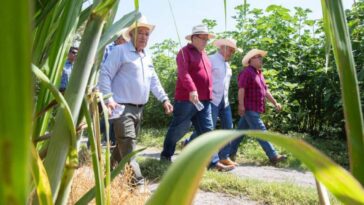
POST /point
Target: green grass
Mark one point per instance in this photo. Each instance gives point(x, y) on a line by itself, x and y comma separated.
point(250, 152)
point(257, 190)
point(152, 137)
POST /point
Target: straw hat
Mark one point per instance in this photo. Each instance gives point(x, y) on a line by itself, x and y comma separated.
point(141, 22)
point(251, 54)
point(200, 29)
point(123, 32)
point(227, 42)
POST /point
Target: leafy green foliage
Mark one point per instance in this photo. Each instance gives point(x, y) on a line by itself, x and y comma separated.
point(294, 68)
point(166, 68)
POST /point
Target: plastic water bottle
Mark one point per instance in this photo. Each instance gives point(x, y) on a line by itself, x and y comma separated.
point(117, 112)
point(199, 106)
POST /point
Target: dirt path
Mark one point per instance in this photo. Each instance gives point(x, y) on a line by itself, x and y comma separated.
point(274, 174)
point(264, 173)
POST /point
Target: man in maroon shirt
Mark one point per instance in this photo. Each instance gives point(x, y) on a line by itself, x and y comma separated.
point(251, 95)
point(193, 91)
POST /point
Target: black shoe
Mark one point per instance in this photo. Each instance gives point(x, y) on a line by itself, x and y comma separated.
point(165, 159)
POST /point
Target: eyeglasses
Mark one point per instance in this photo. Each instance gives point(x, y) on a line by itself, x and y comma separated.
point(204, 39)
point(74, 52)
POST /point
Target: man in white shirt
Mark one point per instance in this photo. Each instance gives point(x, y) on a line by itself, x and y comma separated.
point(122, 37)
point(128, 74)
point(220, 108)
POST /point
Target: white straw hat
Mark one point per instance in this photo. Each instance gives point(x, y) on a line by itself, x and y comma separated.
point(141, 22)
point(200, 29)
point(251, 54)
point(227, 42)
point(123, 32)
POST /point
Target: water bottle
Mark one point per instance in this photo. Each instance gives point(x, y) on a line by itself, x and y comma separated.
point(117, 112)
point(199, 106)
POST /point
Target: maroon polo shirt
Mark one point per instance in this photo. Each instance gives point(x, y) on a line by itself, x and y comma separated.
point(255, 89)
point(194, 74)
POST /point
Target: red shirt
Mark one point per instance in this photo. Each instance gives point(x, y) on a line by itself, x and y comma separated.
point(255, 89)
point(194, 74)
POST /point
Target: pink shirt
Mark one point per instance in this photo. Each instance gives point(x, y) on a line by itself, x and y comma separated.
point(194, 74)
point(255, 89)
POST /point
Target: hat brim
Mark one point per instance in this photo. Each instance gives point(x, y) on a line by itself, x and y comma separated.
point(224, 42)
point(135, 25)
point(210, 36)
point(251, 54)
point(124, 34)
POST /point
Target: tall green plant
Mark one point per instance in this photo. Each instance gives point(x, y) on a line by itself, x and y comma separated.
point(16, 105)
point(61, 145)
point(52, 40)
point(340, 39)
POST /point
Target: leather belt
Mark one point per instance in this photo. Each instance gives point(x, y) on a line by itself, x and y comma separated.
point(134, 105)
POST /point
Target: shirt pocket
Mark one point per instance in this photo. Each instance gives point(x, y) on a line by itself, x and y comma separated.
point(149, 72)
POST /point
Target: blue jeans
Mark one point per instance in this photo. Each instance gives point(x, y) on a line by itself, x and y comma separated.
point(224, 113)
point(185, 112)
point(251, 120)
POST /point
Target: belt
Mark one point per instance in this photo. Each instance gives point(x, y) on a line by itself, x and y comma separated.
point(134, 105)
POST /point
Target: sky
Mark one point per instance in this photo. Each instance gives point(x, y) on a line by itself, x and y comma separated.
point(189, 13)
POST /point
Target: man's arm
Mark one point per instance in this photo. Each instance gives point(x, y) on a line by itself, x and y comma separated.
point(273, 101)
point(184, 75)
point(159, 93)
point(107, 73)
point(241, 107)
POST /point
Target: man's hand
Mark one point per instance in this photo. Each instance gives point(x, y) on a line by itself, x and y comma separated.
point(278, 107)
point(241, 110)
point(111, 105)
point(168, 107)
point(194, 97)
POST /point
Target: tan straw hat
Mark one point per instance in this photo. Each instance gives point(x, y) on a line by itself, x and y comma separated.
point(227, 42)
point(200, 29)
point(251, 54)
point(141, 22)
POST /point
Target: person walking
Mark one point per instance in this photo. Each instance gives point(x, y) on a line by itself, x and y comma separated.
point(128, 73)
point(252, 94)
point(193, 92)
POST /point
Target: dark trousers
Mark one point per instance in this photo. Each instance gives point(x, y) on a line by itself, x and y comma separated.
point(126, 129)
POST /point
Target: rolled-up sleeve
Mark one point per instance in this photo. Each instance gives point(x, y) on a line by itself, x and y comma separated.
point(183, 62)
point(156, 87)
point(108, 71)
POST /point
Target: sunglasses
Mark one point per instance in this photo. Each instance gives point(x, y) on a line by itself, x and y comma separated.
point(74, 52)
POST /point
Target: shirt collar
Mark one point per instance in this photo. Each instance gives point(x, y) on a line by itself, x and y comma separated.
point(192, 47)
point(255, 70)
point(220, 56)
point(131, 47)
point(68, 62)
